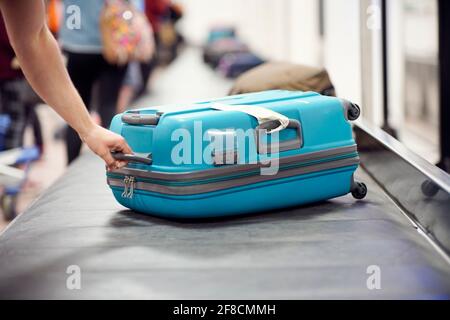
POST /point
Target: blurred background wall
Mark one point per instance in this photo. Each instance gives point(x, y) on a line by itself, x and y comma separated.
point(345, 37)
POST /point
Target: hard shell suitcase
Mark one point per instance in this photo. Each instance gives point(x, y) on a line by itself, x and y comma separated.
point(221, 32)
point(297, 148)
point(233, 65)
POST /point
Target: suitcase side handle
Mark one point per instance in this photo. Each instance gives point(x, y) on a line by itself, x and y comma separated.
point(132, 157)
point(287, 145)
point(141, 119)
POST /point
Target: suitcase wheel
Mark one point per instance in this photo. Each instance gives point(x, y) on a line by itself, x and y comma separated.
point(353, 112)
point(8, 205)
point(429, 188)
point(359, 190)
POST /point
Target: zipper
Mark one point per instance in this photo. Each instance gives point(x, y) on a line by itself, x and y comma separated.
point(210, 180)
point(129, 186)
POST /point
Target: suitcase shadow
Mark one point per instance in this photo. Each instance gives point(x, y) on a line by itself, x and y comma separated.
point(323, 210)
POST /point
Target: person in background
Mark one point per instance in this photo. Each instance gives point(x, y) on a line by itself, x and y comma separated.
point(155, 10)
point(17, 99)
point(41, 61)
point(133, 83)
point(87, 66)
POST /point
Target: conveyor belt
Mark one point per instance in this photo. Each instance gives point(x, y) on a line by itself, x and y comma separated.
point(318, 251)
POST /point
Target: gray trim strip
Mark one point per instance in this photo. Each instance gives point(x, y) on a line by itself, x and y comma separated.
point(229, 157)
point(227, 170)
point(221, 185)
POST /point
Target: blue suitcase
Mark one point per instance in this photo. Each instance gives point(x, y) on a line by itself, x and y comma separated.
point(237, 155)
point(218, 33)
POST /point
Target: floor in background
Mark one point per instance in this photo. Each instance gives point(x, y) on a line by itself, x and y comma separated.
point(192, 84)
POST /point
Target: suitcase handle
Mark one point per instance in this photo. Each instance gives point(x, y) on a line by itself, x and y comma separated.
point(141, 119)
point(132, 157)
point(294, 144)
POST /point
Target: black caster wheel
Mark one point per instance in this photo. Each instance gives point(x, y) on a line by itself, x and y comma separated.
point(8, 205)
point(359, 190)
point(429, 189)
point(353, 112)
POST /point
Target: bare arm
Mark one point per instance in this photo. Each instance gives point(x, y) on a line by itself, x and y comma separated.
point(41, 61)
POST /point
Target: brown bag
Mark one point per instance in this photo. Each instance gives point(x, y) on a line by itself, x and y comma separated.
point(284, 76)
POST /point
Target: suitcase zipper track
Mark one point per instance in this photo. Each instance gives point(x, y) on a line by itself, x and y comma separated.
point(130, 183)
point(233, 176)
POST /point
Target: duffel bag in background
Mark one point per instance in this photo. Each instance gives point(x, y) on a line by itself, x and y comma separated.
point(284, 76)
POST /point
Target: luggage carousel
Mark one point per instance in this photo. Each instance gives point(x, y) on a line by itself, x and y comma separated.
point(328, 250)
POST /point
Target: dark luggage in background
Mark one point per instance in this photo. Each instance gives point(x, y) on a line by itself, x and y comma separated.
point(233, 65)
point(284, 76)
point(222, 32)
point(216, 50)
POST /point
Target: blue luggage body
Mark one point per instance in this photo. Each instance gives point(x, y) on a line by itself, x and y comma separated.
point(177, 172)
point(218, 33)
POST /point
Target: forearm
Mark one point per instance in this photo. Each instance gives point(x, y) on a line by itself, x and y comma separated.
point(42, 64)
point(41, 61)
point(51, 78)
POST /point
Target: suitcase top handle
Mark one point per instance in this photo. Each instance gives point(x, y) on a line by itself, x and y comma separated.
point(266, 117)
point(269, 122)
point(287, 145)
point(136, 118)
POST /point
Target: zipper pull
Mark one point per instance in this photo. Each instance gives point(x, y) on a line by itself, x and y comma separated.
point(132, 183)
point(125, 189)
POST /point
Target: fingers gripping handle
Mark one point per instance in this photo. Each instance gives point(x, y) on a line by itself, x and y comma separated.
point(132, 157)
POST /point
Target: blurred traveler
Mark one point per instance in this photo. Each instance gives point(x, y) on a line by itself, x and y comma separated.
point(157, 11)
point(86, 65)
point(41, 61)
point(133, 84)
point(17, 98)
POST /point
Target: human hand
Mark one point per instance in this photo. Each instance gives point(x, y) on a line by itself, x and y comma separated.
point(102, 141)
